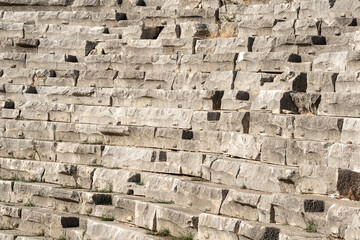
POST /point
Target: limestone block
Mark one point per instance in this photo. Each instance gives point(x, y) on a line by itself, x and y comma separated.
point(307, 152)
point(337, 223)
point(241, 205)
point(276, 101)
point(317, 179)
point(314, 9)
point(222, 45)
point(242, 145)
point(339, 104)
point(177, 45)
point(125, 207)
point(10, 211)
point(8, 29)
point(336, 25)
point(217, 227)
point(75, 47)
point(29, 130)
point(190, 81)
point(36, 2)
point(271, 125)
point(250, 81)
point(267, 178)
point(97, 78)
point(201, 197)
point(166, 117)
point(257, 26)
point(219, 81)
point(289, 210)
point(124, 157)
point(322, 82)
point(16, 148)
point(284, 28)
point(352, 10)
point(318, 128)
point(224, 171)
point(252, 231)
point(189, 163)
point(78, 153)
point(129, 79)
point(306, 27)
point(282, 43)
point(35, 221)
point(13, 59)
point(274, 151)
point(265, 62)
point(45, 61)
point(348, 82)
point(159, 80)
point(194, 29)
point(170, 31)
point(27, 170)
point(330, 62)
point(207, 141)
point(179, 221)
point(221, 121)
point(352, 232)
point(351, 131)
point(68, 175)
point(145, 215)
point(286, 10)
point(86, 3)
point(5, 187)
point(345, 156)
point(160, 187)
point(100, 230)
point(288, 81)
point(219, 62)
point(191, 63)
point(19, 76)
point(113, 180)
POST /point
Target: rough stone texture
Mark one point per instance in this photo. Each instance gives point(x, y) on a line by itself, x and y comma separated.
point(204, 119)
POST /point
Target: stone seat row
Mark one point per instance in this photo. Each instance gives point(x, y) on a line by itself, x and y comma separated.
point(92, 228)
point(283, 30)
point(294, 169)
point(135, 84)
point(234, 202)
point(303, 45)
point(112, 82)
point(17, 98)
point(272, 144)
point(273, 62)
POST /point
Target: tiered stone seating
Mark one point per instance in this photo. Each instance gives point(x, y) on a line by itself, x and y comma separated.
point(201, 119)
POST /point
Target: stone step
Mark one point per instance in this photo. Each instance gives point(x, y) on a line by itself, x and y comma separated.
point(271, 62)
point(46, 222)
point(241, 204)
point(83, 18)
point(236, 10)
point(51, 31)
point(310, 82)
point(274, 140)
point(16, 234)
point(243, 174)
point(218, 227)
point(139, 211)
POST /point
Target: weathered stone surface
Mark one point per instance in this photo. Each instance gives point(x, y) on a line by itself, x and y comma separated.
point(319, 128)
point(210, 119)
point(217, 227)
